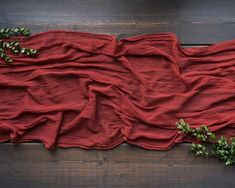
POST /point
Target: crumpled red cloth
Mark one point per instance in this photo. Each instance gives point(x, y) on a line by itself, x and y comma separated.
point(92, 91)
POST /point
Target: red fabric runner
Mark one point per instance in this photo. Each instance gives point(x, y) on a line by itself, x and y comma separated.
point(92, 91)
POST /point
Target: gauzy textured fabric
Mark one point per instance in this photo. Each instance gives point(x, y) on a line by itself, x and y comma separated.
point(95, 92)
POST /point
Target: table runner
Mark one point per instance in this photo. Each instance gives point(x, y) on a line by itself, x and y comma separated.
point(93, 91)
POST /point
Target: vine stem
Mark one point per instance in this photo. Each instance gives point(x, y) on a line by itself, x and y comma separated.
point(14, 46)
point(210, 145)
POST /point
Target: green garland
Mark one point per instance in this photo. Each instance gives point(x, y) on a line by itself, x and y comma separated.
point(210, 145)
point(14, 46)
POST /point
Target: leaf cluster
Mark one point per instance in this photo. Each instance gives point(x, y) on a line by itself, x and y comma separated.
point(209, 144)
point(13, 46)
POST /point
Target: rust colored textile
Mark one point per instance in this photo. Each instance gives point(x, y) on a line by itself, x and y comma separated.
point(92, 91)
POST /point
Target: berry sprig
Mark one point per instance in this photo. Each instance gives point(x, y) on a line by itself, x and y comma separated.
point(14, 46)
point(210, 145)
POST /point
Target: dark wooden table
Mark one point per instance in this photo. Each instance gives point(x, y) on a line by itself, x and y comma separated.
point(200, 22)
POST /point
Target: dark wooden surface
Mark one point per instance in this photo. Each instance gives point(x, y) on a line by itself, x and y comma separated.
point(194, 22)
point(198, 22)
point(30, 165)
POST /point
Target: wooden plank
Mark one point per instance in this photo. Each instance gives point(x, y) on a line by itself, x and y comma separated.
point(194, 22)
point(31, 165)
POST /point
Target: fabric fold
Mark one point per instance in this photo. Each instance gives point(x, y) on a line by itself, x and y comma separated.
point(92, 91)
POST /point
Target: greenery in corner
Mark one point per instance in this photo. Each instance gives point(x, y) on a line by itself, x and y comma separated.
point(13, 46)
point(209, 144)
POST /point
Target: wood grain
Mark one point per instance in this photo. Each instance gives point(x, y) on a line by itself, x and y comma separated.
point(198, 22)
point(194, 22)
point(30, 165)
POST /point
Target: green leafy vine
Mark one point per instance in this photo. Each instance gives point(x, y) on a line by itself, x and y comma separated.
point(209, 144)
point(14, 46)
